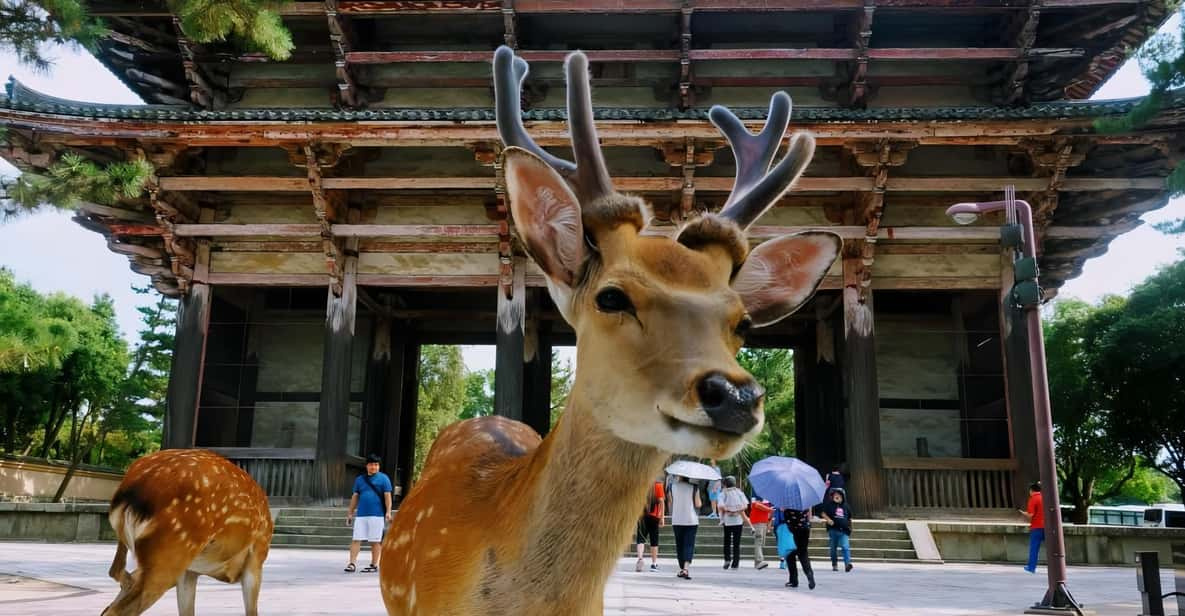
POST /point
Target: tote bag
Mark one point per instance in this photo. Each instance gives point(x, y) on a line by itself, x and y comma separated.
point(785, 541)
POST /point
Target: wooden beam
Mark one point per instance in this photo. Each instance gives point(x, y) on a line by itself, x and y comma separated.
point(661, 184)
point(674, 55)
point(858, 84)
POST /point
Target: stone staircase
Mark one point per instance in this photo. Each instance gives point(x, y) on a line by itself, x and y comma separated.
point(312, 527)
point(872, 540)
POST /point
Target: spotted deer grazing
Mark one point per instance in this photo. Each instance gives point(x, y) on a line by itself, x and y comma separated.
point(503, 522)
point(182, 513)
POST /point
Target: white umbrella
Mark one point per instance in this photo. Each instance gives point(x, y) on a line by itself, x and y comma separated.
point(693, 470)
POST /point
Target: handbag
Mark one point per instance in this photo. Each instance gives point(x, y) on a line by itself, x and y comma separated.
point(786, 545)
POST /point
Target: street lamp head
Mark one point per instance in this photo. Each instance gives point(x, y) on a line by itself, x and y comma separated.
point(965, 218)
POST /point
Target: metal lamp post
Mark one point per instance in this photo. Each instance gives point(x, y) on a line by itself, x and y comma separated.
point(1026, 294)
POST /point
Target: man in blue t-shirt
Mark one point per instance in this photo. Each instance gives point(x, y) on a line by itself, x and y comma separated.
point(373, 513)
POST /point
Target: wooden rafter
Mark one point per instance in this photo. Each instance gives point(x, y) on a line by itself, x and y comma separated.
point(201, 92)
point(341, 40)
point(688, 155)
point(875, 158)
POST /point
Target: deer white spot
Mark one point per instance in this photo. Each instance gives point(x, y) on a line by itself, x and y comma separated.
point(411, 598)
point(430, 508)
point(397, 591)
point(419, 516)
point(188, 497)
point(206, 481)
point(433, 553)
point(444, 531)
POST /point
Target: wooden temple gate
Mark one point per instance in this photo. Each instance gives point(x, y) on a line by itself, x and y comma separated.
point(324, 217)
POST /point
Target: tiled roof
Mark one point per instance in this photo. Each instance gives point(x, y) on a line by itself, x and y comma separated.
point(22, 98)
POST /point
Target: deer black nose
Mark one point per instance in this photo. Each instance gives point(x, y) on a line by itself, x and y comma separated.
point(730, 405)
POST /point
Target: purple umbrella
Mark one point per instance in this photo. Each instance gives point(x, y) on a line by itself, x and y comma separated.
point(788, 483)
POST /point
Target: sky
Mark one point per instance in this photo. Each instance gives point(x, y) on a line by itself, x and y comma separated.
point(54, 254)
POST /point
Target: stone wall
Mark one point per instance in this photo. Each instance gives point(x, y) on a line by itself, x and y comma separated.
point(23, 479)
point(1085, 545)
point(55, 522)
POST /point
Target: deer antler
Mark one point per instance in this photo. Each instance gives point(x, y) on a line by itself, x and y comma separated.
point(757, 187)
point(588, 175)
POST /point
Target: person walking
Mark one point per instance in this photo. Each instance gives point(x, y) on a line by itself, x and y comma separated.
point(649, 523)
point(1035, 512)
point(732, 503)
point(838, 517)
point(760, 511)
point(372, 502)
point(799, 523)
point(835, 480)
point(685, 504)
point(714, 493)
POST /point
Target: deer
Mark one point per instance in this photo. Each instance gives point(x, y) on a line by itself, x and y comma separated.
point(181, 513)
point(504, 522)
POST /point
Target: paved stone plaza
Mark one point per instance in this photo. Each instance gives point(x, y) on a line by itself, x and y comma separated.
point(71, 579)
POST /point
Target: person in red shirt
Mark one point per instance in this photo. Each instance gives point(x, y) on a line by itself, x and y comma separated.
point(759, 515)
point(649, 524)
point(1035, 512)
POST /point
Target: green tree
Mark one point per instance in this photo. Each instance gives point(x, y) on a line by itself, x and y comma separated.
point(774, 370)
point(1162, 61)
point(71, 180)
point(26, 24)
point(479, 394)
point(562, 376)
point(1140, 366)
point(1092, 466)
point(252, 24)
point(441, 396)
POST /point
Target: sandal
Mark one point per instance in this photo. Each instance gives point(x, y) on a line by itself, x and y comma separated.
point(350, 568)
point(371, 568)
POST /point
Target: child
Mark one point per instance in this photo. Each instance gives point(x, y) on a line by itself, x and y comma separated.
point(839, 528)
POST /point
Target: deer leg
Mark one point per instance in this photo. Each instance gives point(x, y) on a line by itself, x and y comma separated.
point(145, 588)
point(186, 593)
point(251, 578)
point(119, 566)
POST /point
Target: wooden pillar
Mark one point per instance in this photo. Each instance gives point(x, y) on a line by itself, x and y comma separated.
point(185, 380)
point(1018, 386)
point(805, 426)
point(537, 381)
point(509, 354)
point(331, 482)
point(409, 401)
point(866, 488)
point(378, 391)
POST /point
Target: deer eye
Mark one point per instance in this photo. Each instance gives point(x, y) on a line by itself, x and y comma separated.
point(612, 299)
point(743, 328)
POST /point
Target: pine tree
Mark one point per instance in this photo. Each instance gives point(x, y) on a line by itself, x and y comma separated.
point(1162, 60)
point(26, 24)
point(73, 179)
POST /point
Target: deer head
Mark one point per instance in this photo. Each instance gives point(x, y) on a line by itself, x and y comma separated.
point(659, 319)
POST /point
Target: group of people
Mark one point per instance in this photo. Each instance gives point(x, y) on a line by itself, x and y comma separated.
point(680, 498)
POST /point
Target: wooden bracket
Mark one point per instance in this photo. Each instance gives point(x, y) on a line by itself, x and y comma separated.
point(1012, 88)
point(858, 85)
point(201, 92)
point(686, 86)
point(341, 42)
point(509, 24)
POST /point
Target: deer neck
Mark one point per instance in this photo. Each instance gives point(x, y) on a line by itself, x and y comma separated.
point(589, 490)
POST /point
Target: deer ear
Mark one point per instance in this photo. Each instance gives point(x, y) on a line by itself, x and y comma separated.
point(547, 216)
point(780, 275)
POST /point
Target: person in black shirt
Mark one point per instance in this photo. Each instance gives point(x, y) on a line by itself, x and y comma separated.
point(835, 479)
point(799, 523)
point(838, 516)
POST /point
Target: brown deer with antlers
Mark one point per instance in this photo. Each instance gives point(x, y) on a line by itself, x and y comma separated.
point(502, 522)
point(182, 513)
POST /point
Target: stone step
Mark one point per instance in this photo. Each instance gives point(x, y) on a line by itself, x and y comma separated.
point(313, 511)
point(286, 520)
point(341, 530)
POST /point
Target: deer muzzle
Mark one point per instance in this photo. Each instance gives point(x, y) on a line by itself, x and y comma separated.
point(732, 406)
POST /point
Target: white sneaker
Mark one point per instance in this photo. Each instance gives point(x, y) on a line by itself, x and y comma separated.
point(638, 566)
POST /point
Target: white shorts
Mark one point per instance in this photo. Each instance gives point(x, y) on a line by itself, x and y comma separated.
point(369, 528)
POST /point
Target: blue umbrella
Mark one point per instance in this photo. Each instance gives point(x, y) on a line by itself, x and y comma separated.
point(788, 483)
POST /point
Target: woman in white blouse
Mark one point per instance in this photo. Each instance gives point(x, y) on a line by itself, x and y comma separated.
point(685, 504)
point(732, 504)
